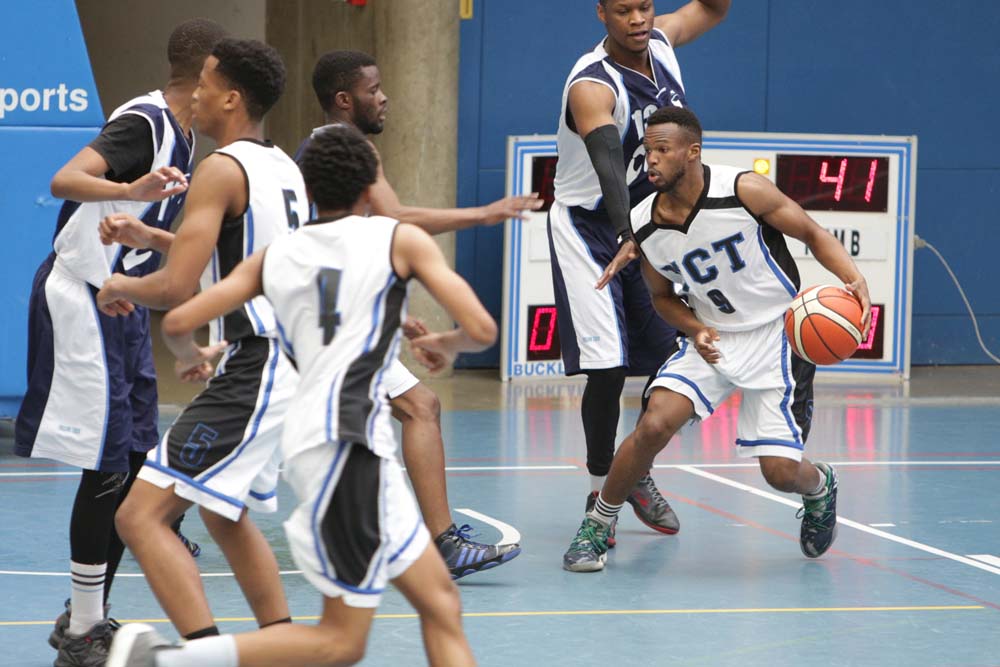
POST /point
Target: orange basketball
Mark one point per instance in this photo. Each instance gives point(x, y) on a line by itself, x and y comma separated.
point(823, 324)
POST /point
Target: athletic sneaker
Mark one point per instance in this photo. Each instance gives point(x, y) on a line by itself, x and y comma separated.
point(62, 624)
point(591, 501)
point(89, 650)
point(819, 516)
point(464, 557)
point(136, 645)
point(589, 549)
point(652, 508)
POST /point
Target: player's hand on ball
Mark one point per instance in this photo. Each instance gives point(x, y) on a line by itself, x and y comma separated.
point(628, 252)
point(158, 185)
point(511, 207)
point(704, 342)
point(859, 288)
point(432, 351)
point(108, 300)
point(125, 229)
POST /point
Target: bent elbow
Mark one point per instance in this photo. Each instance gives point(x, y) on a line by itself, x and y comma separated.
point(58, 187)
point(485, 332)
point(172, 325)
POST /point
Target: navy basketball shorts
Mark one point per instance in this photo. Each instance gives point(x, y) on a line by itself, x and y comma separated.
point(357, 525)
point(611, 328)
point(223, 451)
point(776, 407)
point(91, 398)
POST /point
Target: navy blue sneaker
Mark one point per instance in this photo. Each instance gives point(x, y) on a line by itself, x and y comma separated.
point(193, 547)
point(464, 557)
point(819, 516)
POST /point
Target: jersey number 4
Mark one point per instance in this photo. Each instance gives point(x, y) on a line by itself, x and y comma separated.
point(328, 282)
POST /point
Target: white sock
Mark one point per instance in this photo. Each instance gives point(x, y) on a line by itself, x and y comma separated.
point(208, 652)
point(597, 483)
point(87, 597)
point(821, 489)
point(604, 511)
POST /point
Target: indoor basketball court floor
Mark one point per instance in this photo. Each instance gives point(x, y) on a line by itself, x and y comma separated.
point(913, 579)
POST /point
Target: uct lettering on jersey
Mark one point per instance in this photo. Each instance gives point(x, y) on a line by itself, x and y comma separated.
point(735, 268)
point(636, 97)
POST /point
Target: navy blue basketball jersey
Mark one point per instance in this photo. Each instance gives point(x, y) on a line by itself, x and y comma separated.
point(636, 97)
point(76, 240)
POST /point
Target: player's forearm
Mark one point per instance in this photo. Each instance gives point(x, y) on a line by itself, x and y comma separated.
point(606, 155)
point(80, 186)
point(474, 340)
point(676, 313)
point(830, 253)
point(440, 220)
point(160, 240)
point(156, 291)
point(181, 345)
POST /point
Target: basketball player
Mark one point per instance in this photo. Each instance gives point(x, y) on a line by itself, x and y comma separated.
point(349, 89)
point(91, 399)
point(222, 451)
point(716, 233)
point(610, 333)
point(356, 526)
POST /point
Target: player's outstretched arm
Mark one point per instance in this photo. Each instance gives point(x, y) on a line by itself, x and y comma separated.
point(179, 325)
point(218, 191)
point(440, 220)
point(692, 20)
point(82, 179)
point(415, 254)
point(766, 201)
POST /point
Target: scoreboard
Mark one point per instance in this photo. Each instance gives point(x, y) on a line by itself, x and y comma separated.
point(860, 188)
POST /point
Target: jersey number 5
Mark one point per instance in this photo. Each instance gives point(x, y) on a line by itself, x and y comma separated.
point(328, 282)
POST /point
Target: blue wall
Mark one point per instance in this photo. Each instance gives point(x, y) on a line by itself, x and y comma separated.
point(43, 50)
point(859, 67)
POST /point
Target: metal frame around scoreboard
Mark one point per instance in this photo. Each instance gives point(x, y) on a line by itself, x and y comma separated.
point(527, 269)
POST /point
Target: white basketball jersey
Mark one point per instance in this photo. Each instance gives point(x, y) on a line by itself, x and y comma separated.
point(277, 204)
point(636, 97)
point(339, 305)
point(77, 242)
point(734, 268)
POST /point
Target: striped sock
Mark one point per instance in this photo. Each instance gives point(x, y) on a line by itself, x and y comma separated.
point(87, 597)
point(604, 511)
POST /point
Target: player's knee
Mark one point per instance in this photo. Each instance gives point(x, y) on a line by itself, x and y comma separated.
point(654, 430)
point(419, 404)
point(129, 521)
point(780, 473)
point(336, 649)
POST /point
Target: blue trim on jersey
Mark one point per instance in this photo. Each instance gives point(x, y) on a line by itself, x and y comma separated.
point(195, 483)
point(273, 353)
point(792, 426)
point(107, 379)
point(329, 408)
point(263, 496)
point(676, 355)
point(289, 348)
point(778, 273)
point(248, 226)
point(376, 321)
point(681, 378)
point(779, 443)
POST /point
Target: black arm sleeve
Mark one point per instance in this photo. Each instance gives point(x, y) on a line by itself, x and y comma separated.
point(604, 146)
point(126, 144)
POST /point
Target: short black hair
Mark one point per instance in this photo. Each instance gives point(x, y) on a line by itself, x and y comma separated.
point(338, 71)
point(337, 165)
point(253, 68)
point(190, 44)
point(679, 116)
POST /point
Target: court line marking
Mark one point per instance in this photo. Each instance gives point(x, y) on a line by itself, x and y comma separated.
point(989, 559)
point(658, 466)
point(130, 575)
point(587, 612)
point(508, 533)
point(846, 522)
